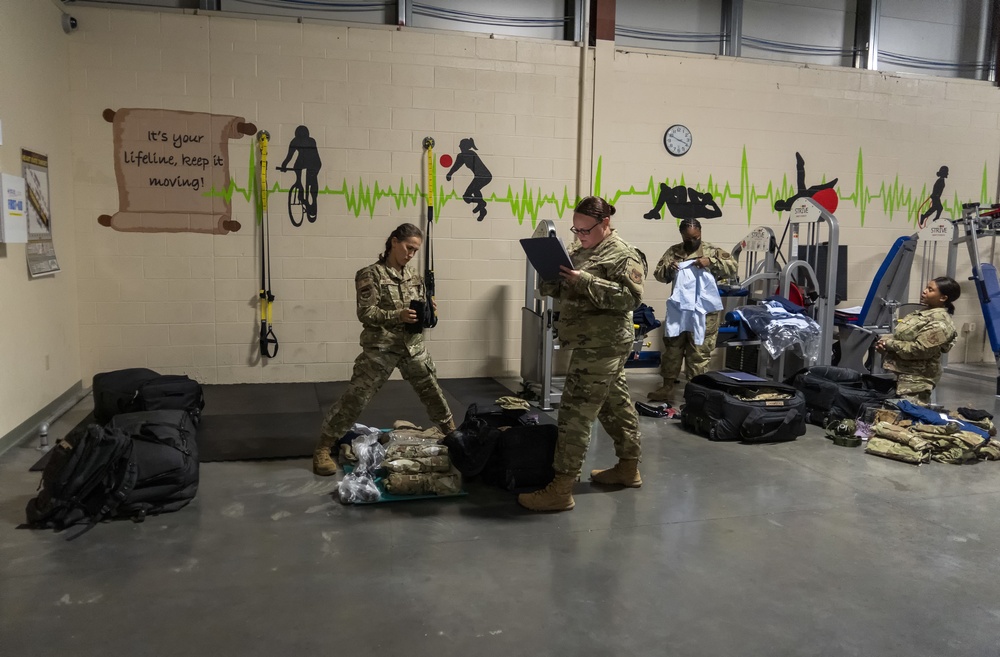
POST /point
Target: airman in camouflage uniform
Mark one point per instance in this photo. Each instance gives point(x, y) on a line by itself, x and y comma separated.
point(915, 348)
point(595, 320)
point(680, 348)
point(384, 292)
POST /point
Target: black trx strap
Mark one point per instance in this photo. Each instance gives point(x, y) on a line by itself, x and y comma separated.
point(430, 318)
point(267, 337)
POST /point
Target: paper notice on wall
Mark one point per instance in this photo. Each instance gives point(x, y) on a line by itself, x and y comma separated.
point(173, 170)
point(41, 251)
point(13, 225)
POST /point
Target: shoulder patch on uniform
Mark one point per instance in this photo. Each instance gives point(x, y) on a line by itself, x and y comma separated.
point(366, 290)
point(635, 273)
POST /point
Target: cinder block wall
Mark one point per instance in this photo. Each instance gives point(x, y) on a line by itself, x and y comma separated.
point(369, 95)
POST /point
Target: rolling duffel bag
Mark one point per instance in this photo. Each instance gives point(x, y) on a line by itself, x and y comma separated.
point(724, 408)
point(838, 393)
point(141, 389)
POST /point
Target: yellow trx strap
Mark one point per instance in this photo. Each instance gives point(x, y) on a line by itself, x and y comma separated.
point(267, 337)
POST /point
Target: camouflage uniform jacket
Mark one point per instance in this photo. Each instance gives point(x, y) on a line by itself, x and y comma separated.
point(918, 342)
point(722, 265)
point(382, 293)
point(596, 311)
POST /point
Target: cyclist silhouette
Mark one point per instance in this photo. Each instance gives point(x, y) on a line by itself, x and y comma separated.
point(307, 160)
point(481, 176)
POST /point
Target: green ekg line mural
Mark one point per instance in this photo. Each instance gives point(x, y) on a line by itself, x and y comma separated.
point(892, 198)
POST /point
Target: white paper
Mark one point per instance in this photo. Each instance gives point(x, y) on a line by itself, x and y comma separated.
point(14, 228)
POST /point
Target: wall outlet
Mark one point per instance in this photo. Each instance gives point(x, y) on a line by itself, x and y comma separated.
point(968, 327)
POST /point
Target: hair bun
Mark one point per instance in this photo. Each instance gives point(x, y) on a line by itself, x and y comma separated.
point(611, 209)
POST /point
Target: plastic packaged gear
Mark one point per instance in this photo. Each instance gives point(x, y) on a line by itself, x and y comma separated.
point(359, 485)
point(779, 330)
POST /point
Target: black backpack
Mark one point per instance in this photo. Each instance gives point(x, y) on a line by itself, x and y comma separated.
point(89, 475)
point(837, 393)
point(166, 458)
point(140, 389)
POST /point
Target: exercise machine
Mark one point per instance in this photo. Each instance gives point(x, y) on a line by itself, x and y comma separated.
point(974, 225)
point(538, 336)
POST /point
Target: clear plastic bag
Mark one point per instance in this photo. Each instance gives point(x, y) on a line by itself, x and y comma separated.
point(359, 485)
point(357, 488)
point(779, 330)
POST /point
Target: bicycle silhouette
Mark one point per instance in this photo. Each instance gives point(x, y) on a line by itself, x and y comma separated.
point(299, 206)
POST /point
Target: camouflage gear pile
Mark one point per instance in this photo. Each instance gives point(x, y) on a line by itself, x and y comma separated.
point(419, 465)
point(595, 320)
point(914, 352)
point(382, 292)
point(920, 443)
point(428, 483)
point(596, 310)
point(682, 349)
point(414, 448)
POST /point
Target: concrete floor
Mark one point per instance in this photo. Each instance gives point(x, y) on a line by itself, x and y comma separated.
point(801, 548)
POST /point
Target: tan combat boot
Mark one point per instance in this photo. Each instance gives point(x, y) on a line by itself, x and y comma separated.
point(662, 394)
point(625, 473)
point(557, 496)
point(323, 463)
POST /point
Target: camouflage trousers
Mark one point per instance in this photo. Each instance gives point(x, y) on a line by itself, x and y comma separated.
point(372, 368)
point(682, 348)
point(915, 388)
point(595, 389)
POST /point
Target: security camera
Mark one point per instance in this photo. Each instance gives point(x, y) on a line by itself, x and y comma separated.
point(68, 23)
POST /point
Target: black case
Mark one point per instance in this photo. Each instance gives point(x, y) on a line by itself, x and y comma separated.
point(837, 393)
point(714, 408)
point(522, 457)
point(140, 389)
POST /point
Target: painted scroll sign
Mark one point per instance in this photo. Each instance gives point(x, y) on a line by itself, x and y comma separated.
point(166, 162)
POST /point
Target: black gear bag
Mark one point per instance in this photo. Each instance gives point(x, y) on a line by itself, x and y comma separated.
point(166, 457)
point(837, 393)
point(90, 473)
point(724, 408)
point(140, 389)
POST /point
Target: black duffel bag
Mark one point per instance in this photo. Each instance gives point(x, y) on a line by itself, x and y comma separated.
point(141, 389)
point(723, 408)
point(165, 454)
point(838, 393)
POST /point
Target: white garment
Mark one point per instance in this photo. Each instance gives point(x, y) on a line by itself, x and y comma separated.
point(695, 295)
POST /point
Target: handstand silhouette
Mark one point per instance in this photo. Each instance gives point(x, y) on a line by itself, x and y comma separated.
point(800, 167)
point(481, 176)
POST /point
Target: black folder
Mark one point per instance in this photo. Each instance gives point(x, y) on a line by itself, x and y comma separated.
point(546, 255)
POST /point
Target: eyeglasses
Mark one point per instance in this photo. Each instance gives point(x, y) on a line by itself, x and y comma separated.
point(585, 231)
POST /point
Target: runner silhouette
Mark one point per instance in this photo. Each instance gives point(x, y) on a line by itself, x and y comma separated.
point(935, 198)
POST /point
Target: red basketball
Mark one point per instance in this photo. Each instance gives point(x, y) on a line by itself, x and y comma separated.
point(828, 199)
point(446, 161)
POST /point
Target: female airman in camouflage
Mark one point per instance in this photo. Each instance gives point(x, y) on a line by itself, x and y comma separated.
point(385, 290)
point(915, 348)
point(597, 298)
point(680, 348)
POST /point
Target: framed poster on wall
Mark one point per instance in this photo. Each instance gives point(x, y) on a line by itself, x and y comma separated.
point(41, 252)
